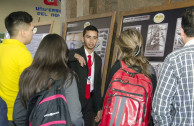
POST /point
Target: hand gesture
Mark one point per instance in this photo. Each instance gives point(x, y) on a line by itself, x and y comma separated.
point(80, 59)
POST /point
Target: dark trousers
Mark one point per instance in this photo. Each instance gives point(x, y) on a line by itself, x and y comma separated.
point(3, 113)
point(11, 123)
point(88, 112)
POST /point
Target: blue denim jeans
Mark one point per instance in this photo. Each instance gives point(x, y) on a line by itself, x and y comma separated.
point(3, 113)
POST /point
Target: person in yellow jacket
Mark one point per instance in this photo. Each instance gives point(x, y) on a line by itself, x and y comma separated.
point(14, 57)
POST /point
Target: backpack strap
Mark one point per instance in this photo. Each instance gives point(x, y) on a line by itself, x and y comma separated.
point(123, 65)
point(137, 68)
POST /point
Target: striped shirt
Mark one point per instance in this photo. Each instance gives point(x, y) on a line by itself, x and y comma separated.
point(173, 102)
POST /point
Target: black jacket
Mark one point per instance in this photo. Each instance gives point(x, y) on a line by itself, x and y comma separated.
point(82, 73)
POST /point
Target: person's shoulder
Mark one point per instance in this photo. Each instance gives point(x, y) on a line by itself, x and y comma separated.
point(71, 75)
point(21, 53)
point(174, 53)
point(97, 56)
point(117, 62)
point(78, 49)
point(117, 65)
point(26, 54)
point(180, 52)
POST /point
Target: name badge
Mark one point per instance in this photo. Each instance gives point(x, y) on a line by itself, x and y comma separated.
point(89, 80)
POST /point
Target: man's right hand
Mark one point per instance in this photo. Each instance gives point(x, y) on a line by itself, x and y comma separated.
point(80, 59)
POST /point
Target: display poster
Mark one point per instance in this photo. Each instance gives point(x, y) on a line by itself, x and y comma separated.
point(156, 39)
point(177, 37)
point(36, 39)
point(160, 31)
point(41, 31)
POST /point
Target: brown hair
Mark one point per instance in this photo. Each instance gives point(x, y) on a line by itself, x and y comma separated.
point(50, 61)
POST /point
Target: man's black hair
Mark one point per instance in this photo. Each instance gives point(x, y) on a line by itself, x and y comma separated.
point(16, 18)
point(90, 28)
point(188, 22)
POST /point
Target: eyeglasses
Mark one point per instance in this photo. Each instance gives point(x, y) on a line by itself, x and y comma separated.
point(34, 30)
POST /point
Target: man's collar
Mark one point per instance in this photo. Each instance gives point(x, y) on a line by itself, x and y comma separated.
point(88, 53)
point(190, 42)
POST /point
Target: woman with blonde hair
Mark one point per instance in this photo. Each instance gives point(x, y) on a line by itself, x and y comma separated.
point(130, 50)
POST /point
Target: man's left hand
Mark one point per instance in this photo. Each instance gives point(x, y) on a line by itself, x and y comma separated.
point(98, 116)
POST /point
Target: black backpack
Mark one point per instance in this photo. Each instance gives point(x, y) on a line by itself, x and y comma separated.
point(49, 107)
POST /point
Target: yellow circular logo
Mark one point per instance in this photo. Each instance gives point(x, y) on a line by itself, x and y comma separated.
point(86, 24)
point(158, 18)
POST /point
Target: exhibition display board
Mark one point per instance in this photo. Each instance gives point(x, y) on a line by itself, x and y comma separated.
point(42, 29)
point(73, 32)
point(160, 28)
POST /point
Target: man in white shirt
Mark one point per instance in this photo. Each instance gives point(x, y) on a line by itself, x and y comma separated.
point(87, 64)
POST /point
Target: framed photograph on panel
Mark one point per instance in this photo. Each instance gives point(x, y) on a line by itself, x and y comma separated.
point(104, 23)
point(40, 30)
point(159, 26)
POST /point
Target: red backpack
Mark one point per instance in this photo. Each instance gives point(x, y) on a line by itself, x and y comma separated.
point(128, 99)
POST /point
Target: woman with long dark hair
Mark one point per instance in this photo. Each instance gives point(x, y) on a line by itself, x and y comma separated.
point(50, 61)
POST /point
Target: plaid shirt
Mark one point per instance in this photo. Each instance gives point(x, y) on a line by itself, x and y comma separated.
point(173, 102)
